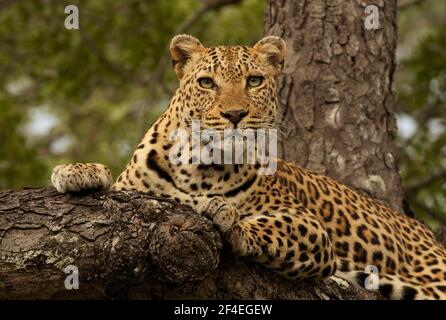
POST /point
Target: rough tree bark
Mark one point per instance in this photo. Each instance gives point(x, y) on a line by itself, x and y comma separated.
point(129, 245)
point(337, 92)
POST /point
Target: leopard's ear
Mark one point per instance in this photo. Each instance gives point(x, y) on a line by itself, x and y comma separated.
point(272, 50)
point(182, 49)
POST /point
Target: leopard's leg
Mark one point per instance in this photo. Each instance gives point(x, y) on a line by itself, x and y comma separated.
point(81, 177)
point(218, 210)
point(292, 242)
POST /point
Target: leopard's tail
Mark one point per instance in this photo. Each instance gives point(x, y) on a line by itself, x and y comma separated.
point(394, 287)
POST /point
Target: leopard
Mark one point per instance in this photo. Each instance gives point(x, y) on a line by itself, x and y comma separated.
point(294, 221)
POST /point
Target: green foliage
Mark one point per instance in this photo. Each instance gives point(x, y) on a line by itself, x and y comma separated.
point(20, 163)
point(422, 96)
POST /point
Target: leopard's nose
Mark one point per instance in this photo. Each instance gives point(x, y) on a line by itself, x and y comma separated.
point(235, 116)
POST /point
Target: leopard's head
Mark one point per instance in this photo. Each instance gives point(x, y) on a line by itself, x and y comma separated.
point(228, 86)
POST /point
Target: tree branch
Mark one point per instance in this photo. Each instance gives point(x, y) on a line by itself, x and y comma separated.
point(129, 245)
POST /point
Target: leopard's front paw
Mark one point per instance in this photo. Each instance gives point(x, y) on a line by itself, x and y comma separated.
point(219, 211)
point(225, 218)
point(240, 243)
point(81, 177)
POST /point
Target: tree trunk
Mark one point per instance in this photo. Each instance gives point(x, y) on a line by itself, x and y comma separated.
point(129, 245)
point(337, 92)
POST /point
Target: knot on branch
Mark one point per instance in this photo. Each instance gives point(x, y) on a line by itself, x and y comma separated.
point(185, 248)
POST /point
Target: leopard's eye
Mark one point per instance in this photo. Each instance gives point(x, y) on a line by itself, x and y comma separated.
point(254, 81)
point(206, 83)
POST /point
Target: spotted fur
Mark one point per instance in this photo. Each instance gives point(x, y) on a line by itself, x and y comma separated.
point(296, 222)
